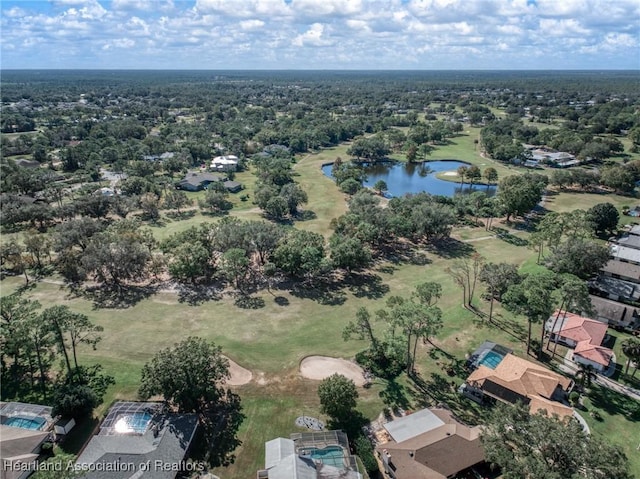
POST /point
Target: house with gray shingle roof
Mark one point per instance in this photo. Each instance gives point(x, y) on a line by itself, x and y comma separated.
point(196, 181)
point(139, 440)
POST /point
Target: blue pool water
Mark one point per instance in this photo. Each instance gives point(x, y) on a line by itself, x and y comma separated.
point(491, 359)
point(136, 422)
point(35, 423)
point(330, 455)
point(402, 178)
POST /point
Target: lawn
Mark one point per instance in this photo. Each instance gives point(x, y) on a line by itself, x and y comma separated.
point(273, 339)
point(285, 326)
point(617, 420)
point(325, 200)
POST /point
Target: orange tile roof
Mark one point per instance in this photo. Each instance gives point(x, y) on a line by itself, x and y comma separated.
point(597, 354)
point(526, 379)
point(580, 328)
point(552, 407)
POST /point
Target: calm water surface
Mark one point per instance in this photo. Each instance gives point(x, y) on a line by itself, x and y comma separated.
point(403, 178)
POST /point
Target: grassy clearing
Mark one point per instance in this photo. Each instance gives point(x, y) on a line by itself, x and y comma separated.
point(618, 421)
point(272, 339)
point(325, 200)
point(565, 201)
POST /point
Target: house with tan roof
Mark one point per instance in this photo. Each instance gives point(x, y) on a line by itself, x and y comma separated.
point(583, 335)
point(517, 380)
point(429, 444)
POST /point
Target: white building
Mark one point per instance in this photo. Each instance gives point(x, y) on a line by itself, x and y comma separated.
point(224, 163)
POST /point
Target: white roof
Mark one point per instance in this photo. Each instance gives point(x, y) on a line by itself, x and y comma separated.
point(624, 253)
point(276, 450)
point(225, 160)
point(413, 425)
point(635, 230)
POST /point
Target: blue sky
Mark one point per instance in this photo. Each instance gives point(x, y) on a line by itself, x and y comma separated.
point(321, 34)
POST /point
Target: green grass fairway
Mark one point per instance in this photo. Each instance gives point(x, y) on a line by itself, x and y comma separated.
point(284, 327)
point(325, 199)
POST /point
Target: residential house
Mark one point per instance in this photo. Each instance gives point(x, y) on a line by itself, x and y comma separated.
point(583, 335)
point(622, 270)
point(517, 380)
point(196, 181)
point(625, 253)
point(224, 163)
point(628, 240)
point(167, 155)
point(232, 186)
point(618, 315)
point(309, 455)
point(429, 444)
point(135, 434)
point(559, 159)
point(24, 428)
point(615, 289)
point(105, 191)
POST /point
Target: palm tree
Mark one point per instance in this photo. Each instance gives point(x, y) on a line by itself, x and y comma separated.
point(586, 374)
point(631, 348)
point(491, 175)
point(462, 172)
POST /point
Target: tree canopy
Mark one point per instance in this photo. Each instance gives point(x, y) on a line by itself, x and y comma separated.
point(519, 194)
point(338, 397)
point(190, 377)
point(536, 446)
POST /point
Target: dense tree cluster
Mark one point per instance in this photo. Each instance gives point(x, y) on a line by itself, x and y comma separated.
point(419, 218)
point(276, 192)
point(190, 378)
point(519, 194)
point(536, 446)
point(33, 340)
point(580, 134)
point(569, 238)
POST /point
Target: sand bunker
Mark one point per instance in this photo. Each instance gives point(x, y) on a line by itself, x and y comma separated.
point(239, 375)
point(450, 173)
point(320, 367)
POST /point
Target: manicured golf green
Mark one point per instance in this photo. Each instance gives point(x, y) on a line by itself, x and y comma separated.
point(272, 339)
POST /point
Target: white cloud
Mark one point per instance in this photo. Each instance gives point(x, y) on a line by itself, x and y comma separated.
point(562, 27)
point(509, 29)
point(328, 7)
point(359, 25)
point(244, 8)
point(355, 33)
point(143, 5)
point(251, 24)
point(314, 37)
point(14, 12)
point(91, 10)
point(137, 26)
point(119, 43)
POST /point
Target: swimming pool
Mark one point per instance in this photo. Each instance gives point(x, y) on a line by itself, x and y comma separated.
point(330, 455)
point(35, 423)
point(133, 423)
point(491, 359)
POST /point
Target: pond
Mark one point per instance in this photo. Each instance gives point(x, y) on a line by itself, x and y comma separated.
point(402, 178)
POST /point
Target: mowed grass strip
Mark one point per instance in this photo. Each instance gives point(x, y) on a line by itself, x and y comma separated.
point(271, 340)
